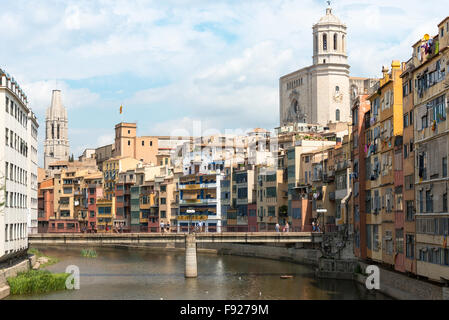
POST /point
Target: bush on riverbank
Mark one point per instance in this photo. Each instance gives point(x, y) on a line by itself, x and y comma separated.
point(37, 281)
point(39, 254)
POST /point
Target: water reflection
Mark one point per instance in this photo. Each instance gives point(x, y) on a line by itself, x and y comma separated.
point(141, 274)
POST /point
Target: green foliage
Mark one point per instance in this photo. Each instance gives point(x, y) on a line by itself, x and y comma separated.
point(37, 281)
point(89, 253)
point(39, 254)
point(283, 211)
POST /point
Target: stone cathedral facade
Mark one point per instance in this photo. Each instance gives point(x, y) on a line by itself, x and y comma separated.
point(56, 146)
point(322, 92)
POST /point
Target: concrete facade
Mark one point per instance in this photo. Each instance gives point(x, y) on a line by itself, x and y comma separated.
point(18, 168)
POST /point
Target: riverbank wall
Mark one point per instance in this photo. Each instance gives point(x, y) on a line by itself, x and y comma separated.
point(22, 265)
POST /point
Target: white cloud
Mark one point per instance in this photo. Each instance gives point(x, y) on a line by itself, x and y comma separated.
point(39, 95)
point(224, 72)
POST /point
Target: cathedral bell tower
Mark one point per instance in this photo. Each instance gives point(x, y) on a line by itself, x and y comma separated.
point(56, 146)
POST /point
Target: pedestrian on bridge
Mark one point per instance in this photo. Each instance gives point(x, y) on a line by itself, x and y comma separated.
point(277, 227)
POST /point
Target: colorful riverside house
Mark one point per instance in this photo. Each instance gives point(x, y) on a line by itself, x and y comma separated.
point(360, 107)
point(373, 181)
point(126, 180)
point(321, 191)
point(149, 209)
point(408, 168)
point(45, 204)
point(343, 185)
point(201, 193)
point(105, 215)
point(243, 193)
point(391, 117)
point(94, 185)
point(272, 198)
point(431, 139)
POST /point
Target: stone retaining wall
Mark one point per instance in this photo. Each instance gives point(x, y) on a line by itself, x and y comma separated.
point(6, 273)
point(403, 287)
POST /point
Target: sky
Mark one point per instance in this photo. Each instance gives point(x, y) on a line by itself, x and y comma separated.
point(173, 63)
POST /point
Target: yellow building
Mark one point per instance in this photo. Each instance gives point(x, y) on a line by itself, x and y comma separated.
point(105, 214)
point(111, 169)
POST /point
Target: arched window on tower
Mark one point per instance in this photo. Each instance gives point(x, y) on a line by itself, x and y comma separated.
point(58, 131)
point(335, 41)
point(325, 42)
point(52, 131)
point(337, 115)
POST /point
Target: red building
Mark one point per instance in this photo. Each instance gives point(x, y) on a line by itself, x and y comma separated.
point(301, 210)
point(252, 217)
point(361, 122)
point(45, 205)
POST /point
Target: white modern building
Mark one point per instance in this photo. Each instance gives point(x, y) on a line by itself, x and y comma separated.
point(18, 169)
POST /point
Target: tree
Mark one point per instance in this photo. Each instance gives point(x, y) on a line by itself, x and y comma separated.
point(283, 211)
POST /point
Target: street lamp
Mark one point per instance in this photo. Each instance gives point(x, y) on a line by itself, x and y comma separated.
point(190, 212)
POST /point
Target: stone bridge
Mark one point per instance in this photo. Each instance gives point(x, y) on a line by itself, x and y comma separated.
point(190, 240)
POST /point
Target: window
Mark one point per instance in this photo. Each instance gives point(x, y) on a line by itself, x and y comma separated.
point(444, 167)
point(445, 202)
point(424, 121)
point(143, 143)
point(409, 213)
point(325, 42)
point(163, 188)
point(337, 115)
point(129, 142)
point(335, 41)
point(406, 120)
point(399, 240)
point(405, 151)
point(410, 246)
point(163, 200)
point(411, 117)
point(429, 201)
point(163, 214)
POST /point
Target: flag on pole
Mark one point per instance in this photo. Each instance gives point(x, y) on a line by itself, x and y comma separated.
point(121, 109)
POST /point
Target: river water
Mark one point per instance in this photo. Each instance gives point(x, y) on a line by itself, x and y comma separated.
point(148, 274)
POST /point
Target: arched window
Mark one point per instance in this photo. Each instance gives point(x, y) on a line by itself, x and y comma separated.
point(337, 115)
point(335, 41)
point(58, 131)
point(325, 42)
point(52, 131)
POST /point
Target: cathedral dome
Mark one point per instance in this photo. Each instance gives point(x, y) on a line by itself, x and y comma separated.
point(329, 18)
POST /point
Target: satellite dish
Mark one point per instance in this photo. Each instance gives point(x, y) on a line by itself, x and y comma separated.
point(426, 37)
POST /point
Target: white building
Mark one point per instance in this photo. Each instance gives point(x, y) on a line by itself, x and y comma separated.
point(18, 169)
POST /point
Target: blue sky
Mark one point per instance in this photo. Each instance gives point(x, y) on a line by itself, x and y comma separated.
point(172, 62)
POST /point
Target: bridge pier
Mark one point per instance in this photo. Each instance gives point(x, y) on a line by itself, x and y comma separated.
point(191, 263)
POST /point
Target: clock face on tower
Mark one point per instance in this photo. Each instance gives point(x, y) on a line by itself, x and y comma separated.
point(338, 95)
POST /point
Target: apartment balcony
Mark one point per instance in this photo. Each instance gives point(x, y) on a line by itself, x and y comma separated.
point(198, 186)
point(198, 201)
